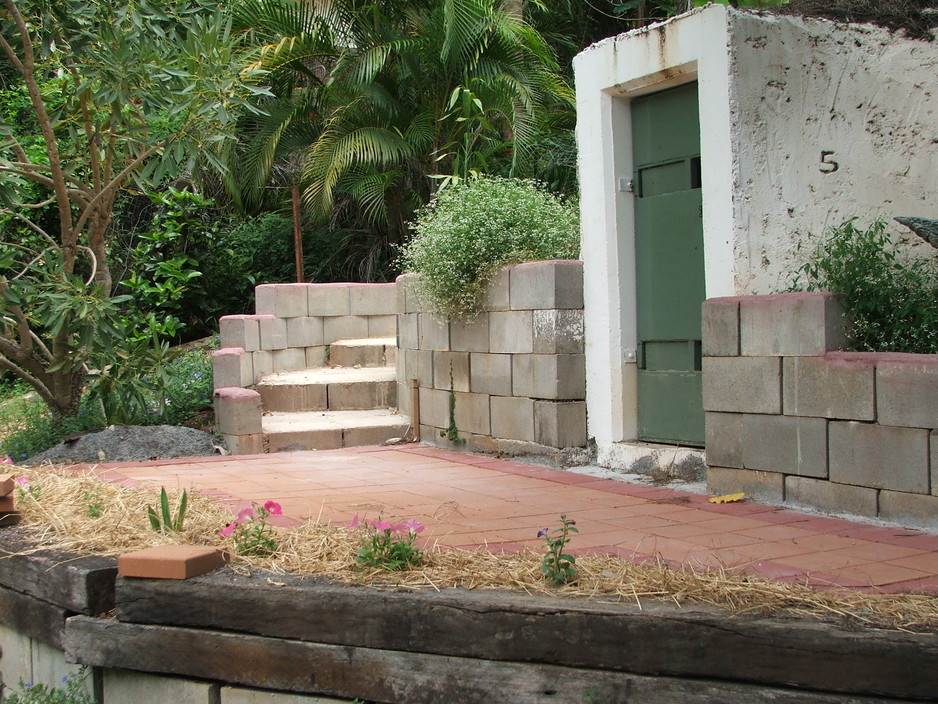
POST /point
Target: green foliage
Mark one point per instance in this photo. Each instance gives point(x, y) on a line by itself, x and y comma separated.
point(183, 275)
point(251, 534)
point(471, 229)
point(73, 693)
point(386, 546)
point(891, 302)
point(94, 503)
point(27, 425)
point(163, 522)
point(559, 567)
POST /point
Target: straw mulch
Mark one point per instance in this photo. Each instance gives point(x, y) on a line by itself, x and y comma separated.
point(59, 520)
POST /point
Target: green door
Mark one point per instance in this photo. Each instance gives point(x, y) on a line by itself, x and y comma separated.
point(669, 265)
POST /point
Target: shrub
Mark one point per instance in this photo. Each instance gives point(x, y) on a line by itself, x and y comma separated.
point(471, 229)
point(891, 301)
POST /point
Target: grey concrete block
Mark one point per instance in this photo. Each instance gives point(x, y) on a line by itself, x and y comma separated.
point(292, 398)
point(882, 457)
point(245, 444)
point(912, 510)
point(560, 423)
point(434, 333)
point(362, 396)
point(830, 497)
point(406, 296)
point(512, 418)
point(497, 295)
point(546, 284)
point(724, 439)
point(344, 327)
point(292, 300)
point(558, 332)
point(372, 299)
point(16, 663)
point(304, 332)
point(127, 686)
point(419, 366)
point(455, 363)
point(828, 387)
point(292, 359)
point(273, 332)
point(232, 695)
point(263, 364)
point(765, 487)
point(265, 299)
point(511, 332)
point(232, 366)
point(742, 384)
point(491, 373)
point(785, 444)
point(907, 390)
point(470, 336)
point(237, 411)
point(720, 327)
point(434, 408)
point(239, 331)
point(408, 332)
point(549, 376)
point(473, 414)
point(382, 325)
point(328, 299)
point(791, 324)
point(315, 356)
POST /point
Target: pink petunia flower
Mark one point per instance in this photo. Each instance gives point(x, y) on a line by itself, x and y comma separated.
point(353, 524)
point(22, 481)
point(7, 460)
point(413, 525)
point(381, 525)
point(228, 530)
point(273, 508)
point(245, 514)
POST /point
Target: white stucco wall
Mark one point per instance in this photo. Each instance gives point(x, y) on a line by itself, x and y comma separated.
point(803, 87)
point(774, 93)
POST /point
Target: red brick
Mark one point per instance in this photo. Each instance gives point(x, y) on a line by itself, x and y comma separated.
point(170, 561)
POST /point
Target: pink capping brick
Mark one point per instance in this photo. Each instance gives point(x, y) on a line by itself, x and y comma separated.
point(170, 562)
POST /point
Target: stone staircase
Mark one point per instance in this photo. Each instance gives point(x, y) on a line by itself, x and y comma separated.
point(314, 369)
point(351, 402)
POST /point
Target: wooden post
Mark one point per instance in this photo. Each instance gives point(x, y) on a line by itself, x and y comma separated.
point(415, 409)
point(297, 236)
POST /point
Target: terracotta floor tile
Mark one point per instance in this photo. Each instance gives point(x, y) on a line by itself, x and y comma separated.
point(471, 500)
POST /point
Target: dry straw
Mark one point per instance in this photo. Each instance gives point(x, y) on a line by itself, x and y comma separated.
point(59, 520)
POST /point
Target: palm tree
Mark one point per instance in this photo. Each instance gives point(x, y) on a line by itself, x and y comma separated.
point(386, 99)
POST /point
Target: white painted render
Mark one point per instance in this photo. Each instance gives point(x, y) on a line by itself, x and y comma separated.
point(774, 93)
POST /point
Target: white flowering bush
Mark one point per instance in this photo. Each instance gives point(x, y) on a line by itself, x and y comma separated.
point(471, 229)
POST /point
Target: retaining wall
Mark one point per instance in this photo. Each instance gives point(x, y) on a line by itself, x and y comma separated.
point(516, 373)
point(229, 638)
point(792, 419)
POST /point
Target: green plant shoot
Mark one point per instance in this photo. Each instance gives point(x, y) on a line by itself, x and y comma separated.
point(164, 522)
point(559, 567)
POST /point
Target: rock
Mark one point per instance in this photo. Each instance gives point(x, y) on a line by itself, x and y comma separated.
point(129, 443)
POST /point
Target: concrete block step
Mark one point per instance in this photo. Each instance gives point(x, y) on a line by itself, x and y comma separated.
point(364, 352)
point(286, 432)
point(329, 389)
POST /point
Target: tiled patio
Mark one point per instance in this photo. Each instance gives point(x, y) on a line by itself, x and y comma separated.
point(468, 501)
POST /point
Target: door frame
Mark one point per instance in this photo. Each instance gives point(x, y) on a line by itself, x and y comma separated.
point(609, 76)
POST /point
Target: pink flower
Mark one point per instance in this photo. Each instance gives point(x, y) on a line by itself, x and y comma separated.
point(22, 481)
point(7, 460)
point(353, 524)
point(413, 525)
point(381, 525)
point(273, 508)
point(228, 530)
point(245, 514)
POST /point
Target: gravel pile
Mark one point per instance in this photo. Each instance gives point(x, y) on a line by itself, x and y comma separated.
point(129, 443)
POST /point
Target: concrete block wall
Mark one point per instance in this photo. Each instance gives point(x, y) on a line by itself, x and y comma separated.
point(516, 373)
point(291, 330)
point(793, 419)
